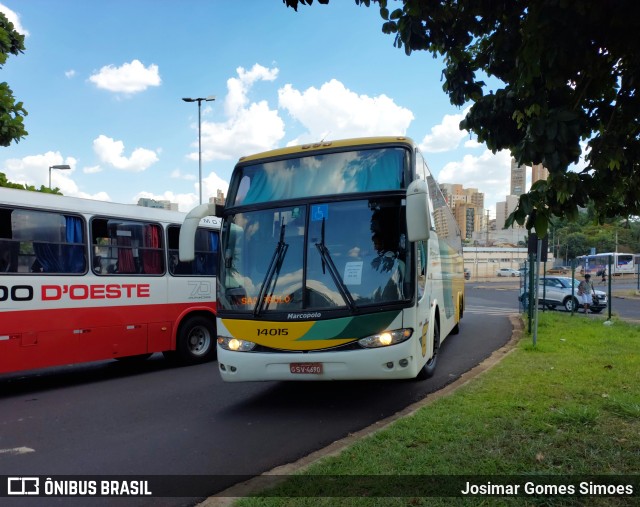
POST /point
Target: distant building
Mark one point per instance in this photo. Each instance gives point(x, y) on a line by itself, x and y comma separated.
point(152, 203)
point(468, 218)
point(467, 206)
point(218, 199)
point(539, 172)
point(484, 262)
point(504, 209)
point(518, 178)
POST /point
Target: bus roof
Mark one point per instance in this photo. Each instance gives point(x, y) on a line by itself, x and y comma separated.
point(62, 203)
point(326, 145)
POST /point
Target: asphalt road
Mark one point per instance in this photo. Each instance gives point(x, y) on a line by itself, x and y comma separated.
point(154, 419)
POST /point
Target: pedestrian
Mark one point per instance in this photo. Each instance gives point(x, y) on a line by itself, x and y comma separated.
point(586, 291)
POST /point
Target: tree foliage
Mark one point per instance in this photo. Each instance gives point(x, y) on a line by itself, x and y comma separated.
point(12, 113)
point(568, 74)
point(4, 182)
point(570, 239)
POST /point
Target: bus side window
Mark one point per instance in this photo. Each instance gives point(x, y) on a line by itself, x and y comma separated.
point(8, 248)
point(152, 260)
point(175, 266)
point(8, 256)
point(422, 268)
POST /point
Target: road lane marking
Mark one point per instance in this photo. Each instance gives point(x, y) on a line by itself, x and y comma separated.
point(17, 450)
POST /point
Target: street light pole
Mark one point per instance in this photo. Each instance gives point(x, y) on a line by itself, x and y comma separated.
point(62, 167)
point(199, 101)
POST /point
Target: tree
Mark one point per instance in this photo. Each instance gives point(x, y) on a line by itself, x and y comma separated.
point(12, 113)
point(4, 182)
point(568, 74)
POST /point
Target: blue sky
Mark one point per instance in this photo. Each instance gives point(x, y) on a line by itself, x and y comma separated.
point(103, 82)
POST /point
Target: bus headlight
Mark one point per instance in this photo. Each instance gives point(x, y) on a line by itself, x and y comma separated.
point(385, 339)
point(235, 344)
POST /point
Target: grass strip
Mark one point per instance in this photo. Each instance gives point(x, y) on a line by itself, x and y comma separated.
point(568, 407)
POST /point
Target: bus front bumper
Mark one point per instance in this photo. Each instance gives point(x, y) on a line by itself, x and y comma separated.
point(394, 362)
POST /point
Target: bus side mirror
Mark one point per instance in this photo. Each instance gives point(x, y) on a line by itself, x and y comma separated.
point(418, 215)
point(187, 240)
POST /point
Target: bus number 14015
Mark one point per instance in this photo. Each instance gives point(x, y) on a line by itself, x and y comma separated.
point(273, 332)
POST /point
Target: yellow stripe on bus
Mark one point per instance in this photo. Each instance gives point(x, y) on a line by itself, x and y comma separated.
point(279, 335)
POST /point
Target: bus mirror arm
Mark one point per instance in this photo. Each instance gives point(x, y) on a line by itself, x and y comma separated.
point(186, 251)
point(418, 214)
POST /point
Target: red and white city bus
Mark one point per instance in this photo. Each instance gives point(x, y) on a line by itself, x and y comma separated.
point(84, 280)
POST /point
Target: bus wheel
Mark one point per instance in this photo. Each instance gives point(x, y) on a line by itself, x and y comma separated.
point(429, 367)
point(196, 341)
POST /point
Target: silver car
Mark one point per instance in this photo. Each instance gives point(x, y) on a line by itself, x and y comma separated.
point(556, 291)
point(507, 272)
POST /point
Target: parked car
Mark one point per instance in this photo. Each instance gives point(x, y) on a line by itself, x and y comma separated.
point(556, 291)
point(467, 274)
point(507, 272)
point(559, 270)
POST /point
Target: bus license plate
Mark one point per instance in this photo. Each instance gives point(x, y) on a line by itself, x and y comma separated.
point(313, 368)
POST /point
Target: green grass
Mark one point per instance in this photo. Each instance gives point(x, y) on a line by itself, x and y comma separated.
point(568, 406)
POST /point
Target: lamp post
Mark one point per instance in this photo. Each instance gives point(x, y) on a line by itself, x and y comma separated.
point(199, 101)
point(62, 167)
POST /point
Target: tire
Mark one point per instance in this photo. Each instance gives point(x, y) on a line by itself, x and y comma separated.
point(429, 367)
point(196, 341)
point(571, 304)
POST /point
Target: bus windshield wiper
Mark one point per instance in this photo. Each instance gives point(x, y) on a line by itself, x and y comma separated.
point(271, 278)
point(333, 271)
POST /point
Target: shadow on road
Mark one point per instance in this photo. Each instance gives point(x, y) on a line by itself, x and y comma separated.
point(71, 375)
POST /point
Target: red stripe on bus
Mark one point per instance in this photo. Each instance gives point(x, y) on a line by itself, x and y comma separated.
point(32, 339)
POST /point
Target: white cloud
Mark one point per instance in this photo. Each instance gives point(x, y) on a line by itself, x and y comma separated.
point(100, 196)
point(488, 173)
point(446, 136)
point(178, 174)
point(335, 112)
point(211, 184)
point(129, 78)
point(14, 18)
point(70, 73)
point(239, 87)
point(111, 151)
point(248, 128)
point(472, 144)
point(34, 170)
point(252, 127)
point(92, 169)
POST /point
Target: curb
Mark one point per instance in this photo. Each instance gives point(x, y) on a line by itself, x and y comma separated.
point(256, 484)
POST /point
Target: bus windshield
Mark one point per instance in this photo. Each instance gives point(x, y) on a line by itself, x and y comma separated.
point(323, 255)
point(322, 174)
